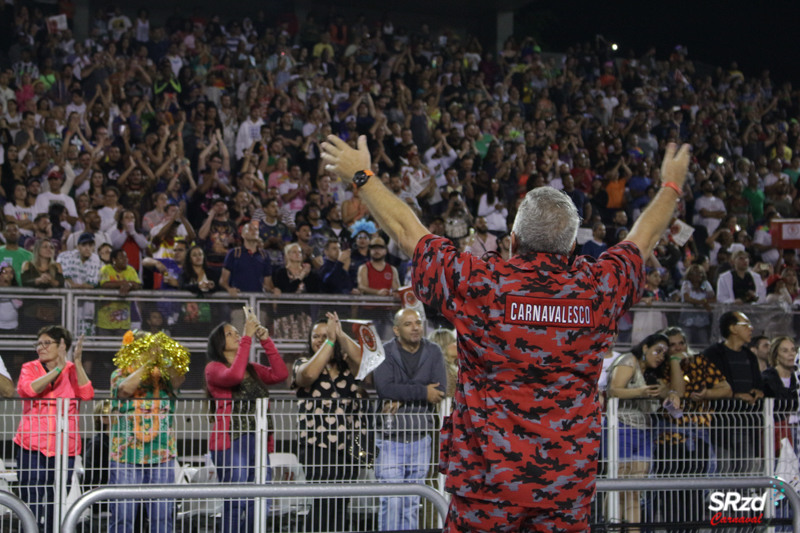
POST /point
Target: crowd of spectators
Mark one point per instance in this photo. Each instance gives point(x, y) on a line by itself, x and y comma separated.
point(145, 140)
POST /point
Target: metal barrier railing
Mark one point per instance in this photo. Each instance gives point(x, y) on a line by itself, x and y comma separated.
point(619, 485)
point(25, 515)
point(72, 516)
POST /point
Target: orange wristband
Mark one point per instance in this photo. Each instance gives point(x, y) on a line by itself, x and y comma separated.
point(674, 186)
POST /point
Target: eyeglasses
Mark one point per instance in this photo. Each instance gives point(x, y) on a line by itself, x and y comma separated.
point(748, 324)
point(43, 344)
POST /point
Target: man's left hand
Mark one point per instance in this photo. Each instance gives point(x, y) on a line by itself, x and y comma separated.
point(343, 160)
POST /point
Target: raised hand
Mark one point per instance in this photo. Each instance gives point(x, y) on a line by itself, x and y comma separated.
point(674, 167)
point(343, 160)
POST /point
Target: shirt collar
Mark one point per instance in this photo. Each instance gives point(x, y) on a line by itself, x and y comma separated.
point(539, 261)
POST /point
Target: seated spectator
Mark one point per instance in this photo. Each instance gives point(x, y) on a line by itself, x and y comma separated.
point(42, 272)
point(780, 379)
point(740, 285)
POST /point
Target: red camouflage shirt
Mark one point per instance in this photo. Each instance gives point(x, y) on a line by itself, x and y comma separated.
point(525, 428)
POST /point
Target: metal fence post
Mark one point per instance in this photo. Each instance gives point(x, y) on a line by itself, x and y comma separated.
point(262, 460)
point(769, 450)
point(612, 451)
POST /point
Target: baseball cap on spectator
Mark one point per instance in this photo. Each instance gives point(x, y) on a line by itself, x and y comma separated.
point(86, 237)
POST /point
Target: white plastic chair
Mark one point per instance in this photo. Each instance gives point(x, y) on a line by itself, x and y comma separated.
point(286, 468)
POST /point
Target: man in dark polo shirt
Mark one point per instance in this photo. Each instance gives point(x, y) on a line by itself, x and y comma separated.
point(735, 436)
point(520, 449)
point(247, 268)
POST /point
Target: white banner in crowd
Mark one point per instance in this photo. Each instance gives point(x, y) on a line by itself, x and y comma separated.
point(372, 354)
point(680, 232)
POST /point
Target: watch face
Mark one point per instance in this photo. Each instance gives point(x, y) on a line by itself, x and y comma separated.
point(360, 178)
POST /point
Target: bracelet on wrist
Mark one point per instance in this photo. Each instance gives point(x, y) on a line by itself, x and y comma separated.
point(58, 370)
point(330, 343)
point(674, 392)
point(676, 358)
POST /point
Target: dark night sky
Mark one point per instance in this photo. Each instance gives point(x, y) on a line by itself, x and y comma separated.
point(756, 34)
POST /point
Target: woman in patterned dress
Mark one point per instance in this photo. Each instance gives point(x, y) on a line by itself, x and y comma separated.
point(330, 415)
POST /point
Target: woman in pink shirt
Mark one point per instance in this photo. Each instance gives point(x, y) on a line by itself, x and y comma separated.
point(237, 383)
point(41, 381)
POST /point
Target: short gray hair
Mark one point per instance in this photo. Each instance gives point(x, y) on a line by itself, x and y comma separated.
point(547, 222)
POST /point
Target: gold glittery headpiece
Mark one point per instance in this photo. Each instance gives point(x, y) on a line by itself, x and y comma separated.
point(156, 352)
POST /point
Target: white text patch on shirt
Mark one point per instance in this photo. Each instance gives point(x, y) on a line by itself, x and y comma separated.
point(549, 312)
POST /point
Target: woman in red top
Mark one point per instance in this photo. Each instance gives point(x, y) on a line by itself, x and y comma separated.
point(128, 236)
point(237, 383)
point(49, 377)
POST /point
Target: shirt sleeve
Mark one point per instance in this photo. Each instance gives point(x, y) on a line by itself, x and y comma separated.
point(442, 276)
point(620, 271)
point(27, 376)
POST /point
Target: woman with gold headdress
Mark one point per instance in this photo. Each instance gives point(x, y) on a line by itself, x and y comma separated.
point(150, 370)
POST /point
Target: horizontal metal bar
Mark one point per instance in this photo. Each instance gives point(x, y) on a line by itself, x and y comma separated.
point(638, 484)
point(25, 515)
point(249, 491)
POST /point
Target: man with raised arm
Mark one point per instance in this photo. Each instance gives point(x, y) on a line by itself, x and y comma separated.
point(520, 449)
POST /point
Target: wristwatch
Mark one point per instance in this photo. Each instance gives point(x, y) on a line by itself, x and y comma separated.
point(361, 177)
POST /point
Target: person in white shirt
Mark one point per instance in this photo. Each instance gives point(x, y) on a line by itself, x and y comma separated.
point(77, 105)
point(6, 383)
point(6, 92)
point(108, 214)
point(709, 210)
point(746, 287)
point(249, 131)
point(775, 176)
point(93, 222)
point(46, 199)
point(492, 206)
point(118, 24)
point(142, 27)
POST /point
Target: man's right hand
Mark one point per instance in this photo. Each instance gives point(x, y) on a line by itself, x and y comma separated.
point(673, 169)
point(434, 394)
point(233, 291)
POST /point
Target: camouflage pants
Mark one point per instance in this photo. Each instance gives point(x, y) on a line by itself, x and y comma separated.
point(480, 516)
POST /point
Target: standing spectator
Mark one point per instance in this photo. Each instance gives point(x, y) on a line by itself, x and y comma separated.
point(709, 209)
point(595, 246)
point(413, 375)
point(40, 382)
point(127, 236)
point(274, 233)
point(108, 214)
point(143, 438)
point(334, 271)
point(492, 207)
point(759, 345)
point(325, 382)
point(42, 272)
point(296, 276)
point(93, 223)
point(376, 276)
point(740, 284)
point(247, 268)
point(237, 383)
point(11, 253)
point(697, 291)
point(218, 234)
point(780, 380)
point(634, 379)
point(9, 308)
point(81, 267)
point(483, 241)
point(56, 196)
point(741, 370)
point(114, 318)
point(249, 131)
